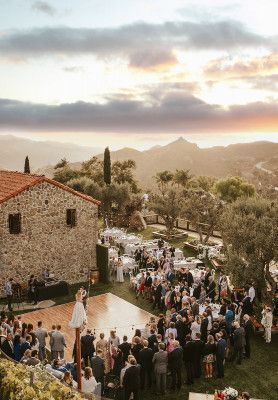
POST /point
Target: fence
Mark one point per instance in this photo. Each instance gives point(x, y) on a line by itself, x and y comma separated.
point(180, 224)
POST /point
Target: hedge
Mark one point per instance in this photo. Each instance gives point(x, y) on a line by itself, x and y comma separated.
point(102, 262)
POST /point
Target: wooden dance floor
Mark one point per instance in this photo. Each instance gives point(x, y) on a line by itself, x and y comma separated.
point(105, 312)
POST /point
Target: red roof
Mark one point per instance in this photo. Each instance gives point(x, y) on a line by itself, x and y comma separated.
point(12, 183)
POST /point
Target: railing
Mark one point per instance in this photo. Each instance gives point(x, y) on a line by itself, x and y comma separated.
point(181, 223)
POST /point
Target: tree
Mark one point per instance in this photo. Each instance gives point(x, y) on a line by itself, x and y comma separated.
point(163, 179)
point(107, 167)
point(27, 165)
point(182, 177)
point(203, 210)
point(62, 163)
point(168, 206)
point(65, 174)
point(123, 172)
point(203, 182)
point(232, 188)
point(250, 234)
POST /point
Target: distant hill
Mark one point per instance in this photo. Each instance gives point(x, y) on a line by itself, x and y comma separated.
point(237, 159)
point(13, 151)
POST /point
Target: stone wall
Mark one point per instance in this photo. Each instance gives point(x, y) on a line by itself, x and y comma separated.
point(46, 241)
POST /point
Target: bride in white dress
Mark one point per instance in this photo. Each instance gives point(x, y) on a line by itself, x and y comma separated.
point(79, 317)
point(120, 271)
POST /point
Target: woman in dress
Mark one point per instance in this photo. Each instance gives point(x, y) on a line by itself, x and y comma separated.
point(195, 327)
point(170, 342)
point(79, 317)
point(120, 271)
point(102, 344)
point(209, 356)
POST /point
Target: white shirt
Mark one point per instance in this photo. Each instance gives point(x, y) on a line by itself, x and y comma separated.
point(251, 293)
point(88, 385)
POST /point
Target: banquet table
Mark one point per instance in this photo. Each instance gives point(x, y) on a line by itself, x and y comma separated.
point(129, 264)
point(203, 396)
point(184, 263)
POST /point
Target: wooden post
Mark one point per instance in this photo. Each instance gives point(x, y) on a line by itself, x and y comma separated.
point(78, 357)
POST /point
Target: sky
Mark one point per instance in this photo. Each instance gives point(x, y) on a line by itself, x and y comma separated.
point(139, 73)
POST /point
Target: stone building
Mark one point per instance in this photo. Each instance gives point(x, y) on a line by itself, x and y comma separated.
point(44, 224)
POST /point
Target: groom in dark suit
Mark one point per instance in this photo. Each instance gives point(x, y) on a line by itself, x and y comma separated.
point(220, 355)
point(87, 347)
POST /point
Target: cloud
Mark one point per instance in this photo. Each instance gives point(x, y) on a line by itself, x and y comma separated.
point(152, 60)
point(269, 82)
point(155, 41)
point(228, 68)
point(44, 7)
point(175, 112)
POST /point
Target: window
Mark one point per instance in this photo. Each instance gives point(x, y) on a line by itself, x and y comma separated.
point(15, 223)
point(71, 217)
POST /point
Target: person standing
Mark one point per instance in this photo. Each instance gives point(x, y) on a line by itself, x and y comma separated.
point(131, 380)
point(198, 352)
point(41, 334)
point(221, 346)
point(125, 348)
point(160, 361)
point(57, 343)
point(9, 293)
point(120, 271)
point(239, 342)
point(87, 347)
point(188, 358)
point(145, 361)
point(175, 358)
point(267, 322)
point(209, 356)
point(98, 368)
point(249, 330)
point(211, 289)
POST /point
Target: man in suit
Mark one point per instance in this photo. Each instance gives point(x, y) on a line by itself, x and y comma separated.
point(249, 330)
point(175, 358)
point(188, 358)
point(181, 329)
point(157, 295)
point(41, 334)
point(7, 346)
point(87, 347)
point(194, 307)
point(188, 278)
point(131, 380)
point(57, 343)
point(211, 289)
point(145, 361)
point(34, 359)
point(160, 362)
point(152, 339)
point(239, 342)
point(25, 345)
point(198, 352)
point(220, 354)
point(98, 368)
point(207, 275)
point(125, 348)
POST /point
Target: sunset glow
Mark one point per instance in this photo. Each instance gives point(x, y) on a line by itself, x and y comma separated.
point(139, 72)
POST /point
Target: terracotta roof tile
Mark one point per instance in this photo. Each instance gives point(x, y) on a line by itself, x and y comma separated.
point(12, 183)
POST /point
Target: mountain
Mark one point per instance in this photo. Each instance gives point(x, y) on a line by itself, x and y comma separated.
point(236, 159)
point(13, 151)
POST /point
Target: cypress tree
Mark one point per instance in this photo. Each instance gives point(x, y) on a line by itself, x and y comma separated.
point(27, 165)
point(107, 167)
